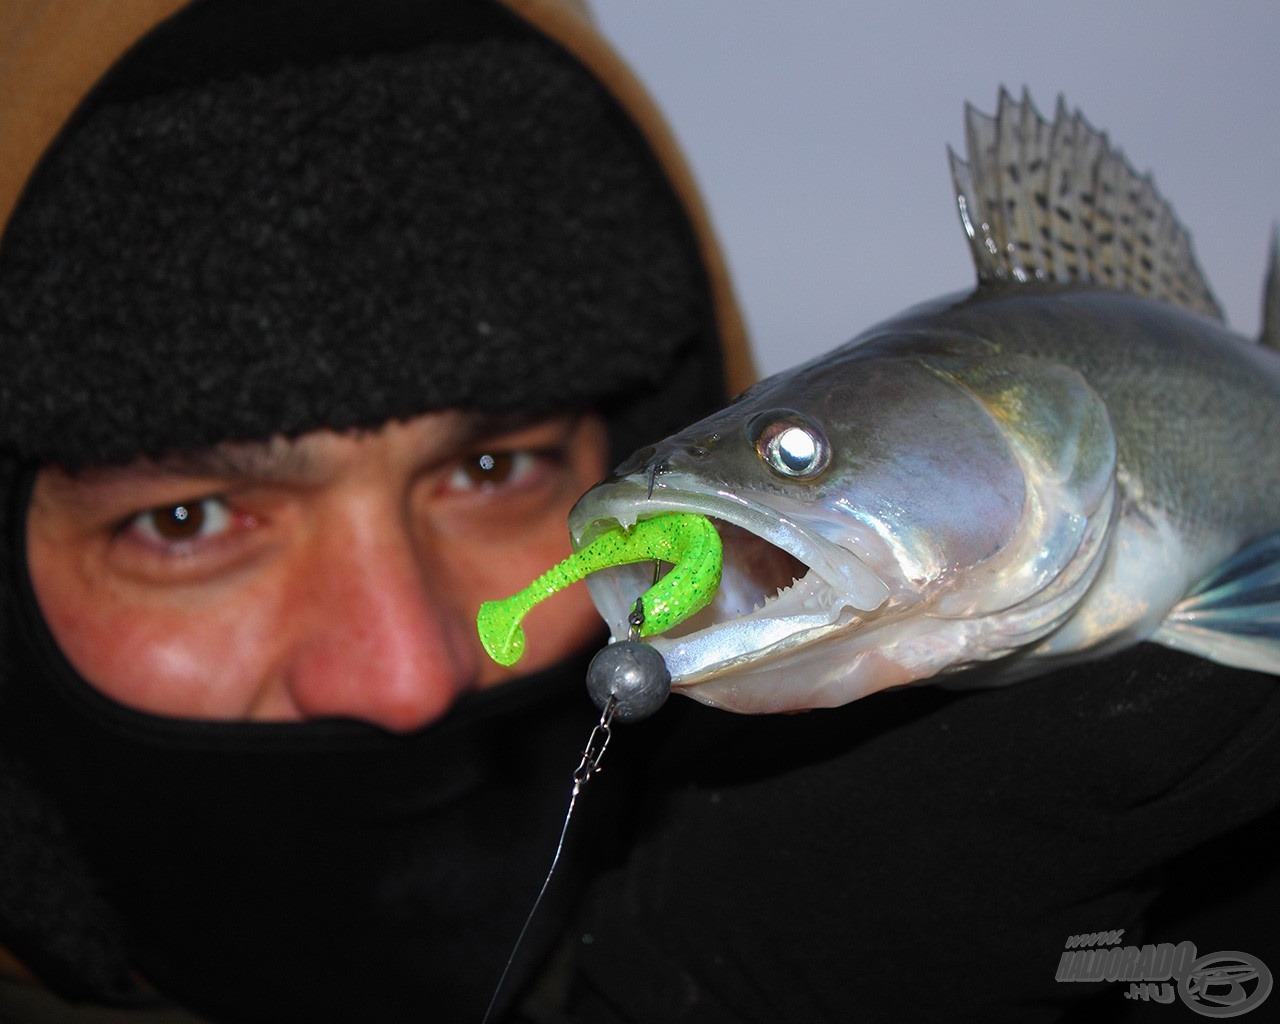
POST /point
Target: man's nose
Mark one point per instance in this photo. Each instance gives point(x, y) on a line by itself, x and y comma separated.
point(380, 639)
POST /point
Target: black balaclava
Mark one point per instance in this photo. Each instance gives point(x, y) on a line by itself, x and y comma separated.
point(241, 235)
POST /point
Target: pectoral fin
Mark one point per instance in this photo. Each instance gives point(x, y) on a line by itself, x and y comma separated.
point(1233, 616)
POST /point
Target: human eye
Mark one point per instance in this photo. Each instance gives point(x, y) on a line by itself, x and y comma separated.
point(188, 540)
point(180, 525)
point(518, 476)
point(490, 470)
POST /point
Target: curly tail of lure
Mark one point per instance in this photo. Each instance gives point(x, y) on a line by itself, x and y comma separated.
point(689, 541)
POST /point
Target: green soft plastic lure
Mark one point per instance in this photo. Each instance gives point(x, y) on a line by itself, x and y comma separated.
point(688, 541)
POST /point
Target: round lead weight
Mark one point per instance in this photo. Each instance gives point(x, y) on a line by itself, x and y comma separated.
point(634, 674)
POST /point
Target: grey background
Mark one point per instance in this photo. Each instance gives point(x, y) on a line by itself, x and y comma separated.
point(817, 130)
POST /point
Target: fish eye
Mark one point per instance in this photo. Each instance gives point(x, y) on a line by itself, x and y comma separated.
point(789, 443)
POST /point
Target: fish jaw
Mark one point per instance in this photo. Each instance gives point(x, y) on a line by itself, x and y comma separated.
point(785, 587)
point(848, 625)
point(851, 622)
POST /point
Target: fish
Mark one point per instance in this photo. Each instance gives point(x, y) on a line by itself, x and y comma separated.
point(1075, 456)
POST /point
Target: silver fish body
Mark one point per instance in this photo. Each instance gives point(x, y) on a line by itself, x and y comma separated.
point(1036, 473)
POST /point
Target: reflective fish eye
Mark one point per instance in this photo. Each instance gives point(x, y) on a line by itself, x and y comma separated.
point(789, 443)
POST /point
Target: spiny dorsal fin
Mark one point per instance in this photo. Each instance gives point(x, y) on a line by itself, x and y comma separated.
point(1271, 295)
point(1052, 201)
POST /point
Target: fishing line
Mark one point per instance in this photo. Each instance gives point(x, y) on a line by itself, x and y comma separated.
point(628, 681)
point(587, 767)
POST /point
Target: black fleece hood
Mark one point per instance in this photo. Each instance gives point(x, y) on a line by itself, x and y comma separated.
point(466, 223)
point(272, 218)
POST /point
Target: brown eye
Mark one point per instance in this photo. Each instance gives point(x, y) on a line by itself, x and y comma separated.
point(492, 469)
point(180, 522)
point(489, 468)
point(192, 520)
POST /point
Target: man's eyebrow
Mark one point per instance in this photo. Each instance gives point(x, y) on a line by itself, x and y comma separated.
point(294, 460)
point(478, 426)
point(278, 458)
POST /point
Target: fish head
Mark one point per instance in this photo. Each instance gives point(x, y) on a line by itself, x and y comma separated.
point(907, 506)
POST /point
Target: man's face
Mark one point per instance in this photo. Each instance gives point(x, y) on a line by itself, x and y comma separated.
point(332, 575)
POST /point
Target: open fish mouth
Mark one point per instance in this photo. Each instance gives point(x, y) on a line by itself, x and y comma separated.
point(783, 585)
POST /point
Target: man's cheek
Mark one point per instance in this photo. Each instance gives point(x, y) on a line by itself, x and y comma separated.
point(167, 662)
